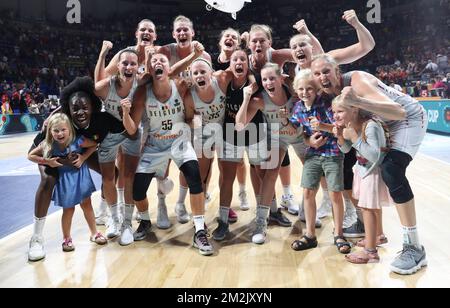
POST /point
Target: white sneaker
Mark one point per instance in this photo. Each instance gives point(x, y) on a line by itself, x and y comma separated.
point(165, 186)
point(325, 208)
point(162, 220)
point(36, 251)
point(126, 235)
point(287, 202)
point(112, 228)
point(244, 206)
point(349, 214)
point(182, 215)
point(259, 236)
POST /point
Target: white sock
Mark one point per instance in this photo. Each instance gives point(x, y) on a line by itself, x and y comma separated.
point(102, 207)
point(182, 194)
point(242, 188)
point(287, 190)
point(199, 222)
point(161, 199)
point(38, 226)
point(115, 212)
point(145, 215)
point(274, 206)
point(262, 212)
point(120, 196)
point(129, 209)
point(359, 214)
point(326, 196)
point(223, 213)
point(411, 236)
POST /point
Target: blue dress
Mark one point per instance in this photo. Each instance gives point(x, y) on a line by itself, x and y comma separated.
point(74, 185)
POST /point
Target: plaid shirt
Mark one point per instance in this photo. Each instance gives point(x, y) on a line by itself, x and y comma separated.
point(320, 109)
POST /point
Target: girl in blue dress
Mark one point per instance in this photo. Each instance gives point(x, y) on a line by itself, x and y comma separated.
point(64, 150)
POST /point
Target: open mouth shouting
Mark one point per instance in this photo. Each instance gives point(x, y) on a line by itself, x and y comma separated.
point(128, 74)
point(159, 71)
point(183, 41)
point(146, 39)
point(201, 82)
point(270, 90)
point(229, 43)
point(239, 69)
point(301, 56)
point(326, 84)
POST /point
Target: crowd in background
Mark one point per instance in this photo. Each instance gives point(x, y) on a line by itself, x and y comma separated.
point(38, 58)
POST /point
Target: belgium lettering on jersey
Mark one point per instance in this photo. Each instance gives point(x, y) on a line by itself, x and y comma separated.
point(165, 111)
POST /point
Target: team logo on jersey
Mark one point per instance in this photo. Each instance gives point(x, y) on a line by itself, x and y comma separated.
point(177, 103)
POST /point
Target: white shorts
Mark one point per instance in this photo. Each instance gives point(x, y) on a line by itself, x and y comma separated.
point(257, 153)
point(156, 160)
point(407, 136)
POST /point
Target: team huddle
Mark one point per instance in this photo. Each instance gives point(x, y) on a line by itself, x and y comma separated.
point(156, 105)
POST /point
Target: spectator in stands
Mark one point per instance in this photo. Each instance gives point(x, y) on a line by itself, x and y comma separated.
point(33, 108)
point(6, 107)
point(417, 89)
point(431, 67)
point(442, 63)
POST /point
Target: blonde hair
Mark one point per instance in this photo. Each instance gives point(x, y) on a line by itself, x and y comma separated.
point(231, 30)
point(182, 18)
point(301, 37)
point(364, 116)
point(264, 28)
point(304, 75)
point(327, 58)
point(273, 66)
point(56, 119)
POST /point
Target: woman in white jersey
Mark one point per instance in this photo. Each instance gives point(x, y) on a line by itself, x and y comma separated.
point(113, 91)
point(273, 100)
point(165, 107)
point(407, 122)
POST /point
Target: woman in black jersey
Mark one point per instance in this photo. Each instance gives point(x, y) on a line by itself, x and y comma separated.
point(79, 102)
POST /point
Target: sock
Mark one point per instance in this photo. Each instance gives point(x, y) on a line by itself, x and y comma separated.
point(161, 199)
point(326, 196)
point(115, 212)
point(258, 199)
point(223, 213)
point(199, 222)
point(182, 194)
point(274, 206)
point(102, 208)
point(241, 188)
point(120, 196)
point(129, 209)
point(145, 215)
point(38, 226)
point(262, 212)
point(411, 236)
point(287, 190)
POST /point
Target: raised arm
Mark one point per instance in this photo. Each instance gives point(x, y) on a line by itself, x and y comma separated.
point(132, 113)
point(183, 64)
point(100, 72)
point(302, 28)
point(364, 94)
point(249, 107)
point(357, 51)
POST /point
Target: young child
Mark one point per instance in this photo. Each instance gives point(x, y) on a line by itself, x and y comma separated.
point(313, 113)
point(357, 128)
point(62, 149)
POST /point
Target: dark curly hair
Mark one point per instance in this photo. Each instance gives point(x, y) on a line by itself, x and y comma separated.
point(83, 87)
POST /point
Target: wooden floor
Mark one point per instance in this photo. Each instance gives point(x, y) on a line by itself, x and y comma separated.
point(167, 259)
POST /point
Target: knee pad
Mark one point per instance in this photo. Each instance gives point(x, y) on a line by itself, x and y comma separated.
point(191, 172)
point(140, 185)
point(394, 175)
point(286, 161)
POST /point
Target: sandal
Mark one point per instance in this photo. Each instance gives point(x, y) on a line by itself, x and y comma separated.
point(304, 243)
point(99, 239)
point(363, 257)
point(381, 240)
point(343, 247)
point(67, 245)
